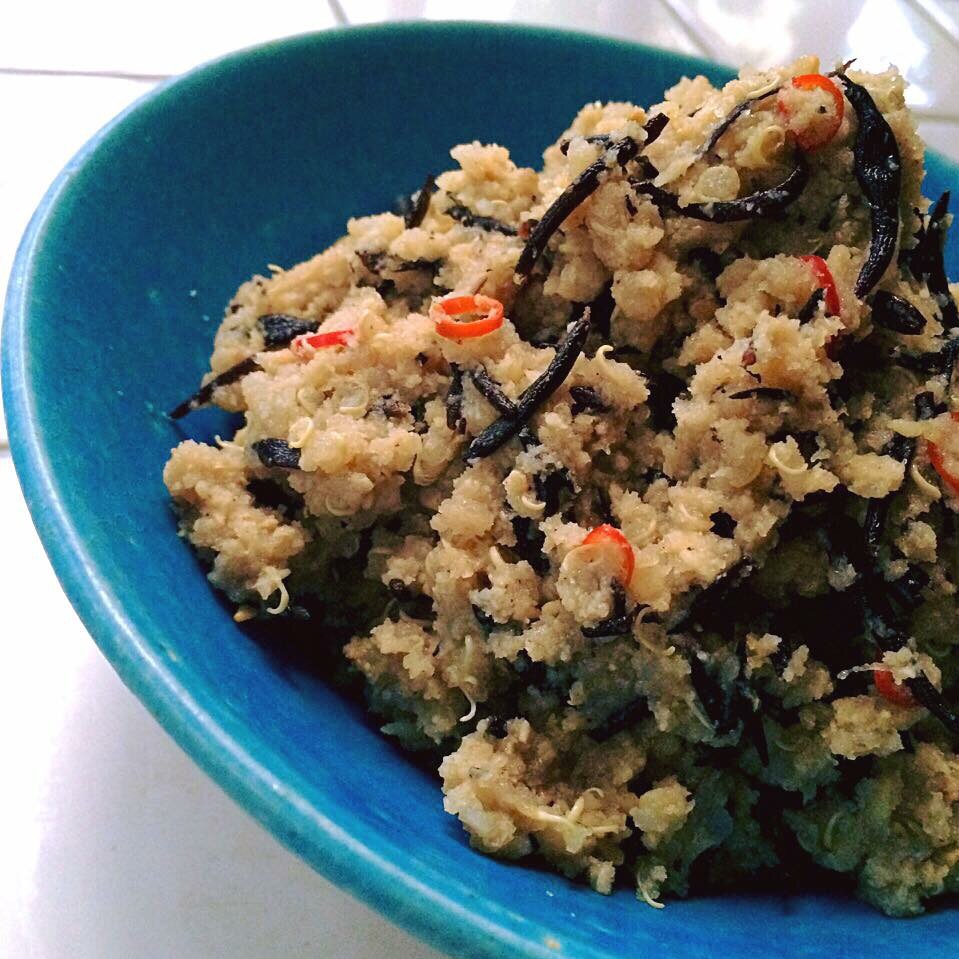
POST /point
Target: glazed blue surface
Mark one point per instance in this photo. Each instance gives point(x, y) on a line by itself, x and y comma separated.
point(260, 158)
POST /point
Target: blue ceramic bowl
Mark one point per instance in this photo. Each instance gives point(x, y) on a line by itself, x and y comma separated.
point(117, 289)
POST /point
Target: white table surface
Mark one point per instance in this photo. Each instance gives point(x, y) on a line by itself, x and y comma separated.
point(112, 844)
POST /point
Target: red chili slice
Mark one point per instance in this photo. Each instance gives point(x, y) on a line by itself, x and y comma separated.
point(889, 689)
point(442, 310)
point(606, 534)
point(825, 281)
point(814, 139)
point(320, 340)
point(938, 460)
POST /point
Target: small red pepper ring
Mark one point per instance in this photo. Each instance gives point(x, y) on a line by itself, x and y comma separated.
point(604, 534)
point(442, 310)
point(889, 689)
point(813, 138)
point(938, 460)
point(320, 340)
point(825, 281)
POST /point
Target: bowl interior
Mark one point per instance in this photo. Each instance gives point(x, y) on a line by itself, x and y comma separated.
point(119, 286)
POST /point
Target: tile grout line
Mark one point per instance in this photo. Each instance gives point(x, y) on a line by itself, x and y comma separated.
point(93, 74)
point(934, 14)
point(682, 16)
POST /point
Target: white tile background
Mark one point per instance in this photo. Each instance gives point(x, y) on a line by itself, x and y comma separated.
point(112, 845)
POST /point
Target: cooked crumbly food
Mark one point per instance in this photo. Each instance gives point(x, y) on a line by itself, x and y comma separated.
point(628, 486)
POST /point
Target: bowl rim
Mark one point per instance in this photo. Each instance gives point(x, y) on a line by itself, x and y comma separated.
point(396, 890)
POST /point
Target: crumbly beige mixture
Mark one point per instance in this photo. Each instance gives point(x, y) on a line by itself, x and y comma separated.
point(730, 723)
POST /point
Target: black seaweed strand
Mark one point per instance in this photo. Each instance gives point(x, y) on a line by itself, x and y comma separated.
point(811, 307)
point(664, 390)
point(927, 695)
point(603, 139)
point(613, 626)
point(619, 622)
point(486, 622)
point(277, 453)
point(653, 127)
point(454, 401)
point(940, 362)
point(879, 615)
point(713, 600)
point(924, 258)
point(551, 485)
point(896, 314)
point(723, 524)
point(621, 152)
point(926, 406)
point(716, 698)
point(878, 167)
point(463, 214)
point(379, 261)
point(280, 329)
point(550, 488)
point(927, 264)
point(762, 393)
point(769, 202)
point(601, 311)
point(530, 540)
point(879, 620)
point(506, 427)
point(585, 398)
point(409, 603)
point(527, 438)
point(492, 392)
point(902, 449)
point(205, 393)
point(731, 118)
point(420, 204)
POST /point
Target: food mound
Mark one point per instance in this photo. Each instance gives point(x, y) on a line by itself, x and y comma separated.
point(629, 486)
